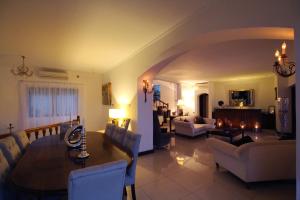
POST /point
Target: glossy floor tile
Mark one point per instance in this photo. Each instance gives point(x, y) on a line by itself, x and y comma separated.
point(187, 171)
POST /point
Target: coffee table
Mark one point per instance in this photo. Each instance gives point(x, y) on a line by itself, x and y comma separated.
point(228, 132)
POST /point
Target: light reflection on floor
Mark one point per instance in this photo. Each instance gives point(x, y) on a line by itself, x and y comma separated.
point(187, 171)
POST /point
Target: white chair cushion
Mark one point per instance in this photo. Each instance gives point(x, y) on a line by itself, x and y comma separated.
point(10, 150)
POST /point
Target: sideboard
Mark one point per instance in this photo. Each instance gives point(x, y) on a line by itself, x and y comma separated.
point(249, 115)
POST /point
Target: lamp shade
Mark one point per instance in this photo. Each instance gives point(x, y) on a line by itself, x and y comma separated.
point(116, 113)
point(180, 102)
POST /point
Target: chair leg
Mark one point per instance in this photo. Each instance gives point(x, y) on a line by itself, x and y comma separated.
point(217, 166)
point(133, 192)
point(125, 191)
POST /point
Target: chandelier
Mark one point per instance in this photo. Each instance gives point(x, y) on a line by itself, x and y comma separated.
point(22, 70)
point(282, 66)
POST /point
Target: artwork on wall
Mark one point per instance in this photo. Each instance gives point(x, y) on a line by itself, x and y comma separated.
point(241, 97)
point(106, 94)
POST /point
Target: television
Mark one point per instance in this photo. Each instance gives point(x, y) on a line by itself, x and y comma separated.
point(241, 97)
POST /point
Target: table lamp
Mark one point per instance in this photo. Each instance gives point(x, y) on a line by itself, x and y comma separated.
point(115, 115)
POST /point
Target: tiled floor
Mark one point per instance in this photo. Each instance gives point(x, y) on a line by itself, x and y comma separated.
point(187, 171)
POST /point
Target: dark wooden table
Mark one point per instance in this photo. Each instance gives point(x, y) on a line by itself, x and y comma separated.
point(46, 164)
point(230, 133)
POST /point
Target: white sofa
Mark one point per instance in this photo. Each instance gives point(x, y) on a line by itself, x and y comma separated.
point(190, 128)
point(257, 161)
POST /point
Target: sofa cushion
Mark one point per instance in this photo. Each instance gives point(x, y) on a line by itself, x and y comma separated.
point(199, 120)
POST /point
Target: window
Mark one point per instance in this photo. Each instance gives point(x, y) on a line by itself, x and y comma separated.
point(52, 102)
point(48, 103)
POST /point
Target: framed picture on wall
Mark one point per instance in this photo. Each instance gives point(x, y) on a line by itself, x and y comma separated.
point(106, 94)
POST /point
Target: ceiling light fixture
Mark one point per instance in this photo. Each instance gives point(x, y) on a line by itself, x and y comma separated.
point(282, 66)
point(22, 70)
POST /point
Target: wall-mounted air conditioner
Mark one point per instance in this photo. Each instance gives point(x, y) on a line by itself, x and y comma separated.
point(52, 73)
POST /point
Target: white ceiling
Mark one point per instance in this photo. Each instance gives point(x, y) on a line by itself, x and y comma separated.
point(225, 61)
point(85, 35)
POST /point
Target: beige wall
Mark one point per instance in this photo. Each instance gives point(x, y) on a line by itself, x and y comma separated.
point(91, 108)
point(263, 91)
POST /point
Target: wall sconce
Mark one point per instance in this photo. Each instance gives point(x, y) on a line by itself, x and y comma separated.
point(146, 88)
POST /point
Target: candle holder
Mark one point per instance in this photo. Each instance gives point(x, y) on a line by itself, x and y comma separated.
point(219, 123)
point(83, 153)
point(256, 127)
point(242, 126)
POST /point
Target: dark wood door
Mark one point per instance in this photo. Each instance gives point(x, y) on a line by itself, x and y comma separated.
point(203, 105)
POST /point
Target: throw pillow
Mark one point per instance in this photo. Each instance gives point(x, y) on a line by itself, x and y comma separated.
point(185, 120)
point(199, 120)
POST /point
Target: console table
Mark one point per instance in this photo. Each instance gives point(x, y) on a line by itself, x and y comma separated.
point(249, 115)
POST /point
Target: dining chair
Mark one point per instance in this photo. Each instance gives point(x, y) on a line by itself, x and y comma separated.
point(103, 182)
point(4, 169)
point(10, 150)
point(109, 129)
point(22, 140)
point(132, 142)
point(118, 135)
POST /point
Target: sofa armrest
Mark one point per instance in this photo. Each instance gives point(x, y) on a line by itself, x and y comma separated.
point(224, 147)
point(209, 121)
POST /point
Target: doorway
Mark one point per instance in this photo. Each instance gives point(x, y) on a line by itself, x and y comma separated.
point(203, 105)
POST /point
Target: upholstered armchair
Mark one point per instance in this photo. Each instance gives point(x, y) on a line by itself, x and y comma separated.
point(132, 143)
point(98, 182)
point(22, 140)
point(10, 150)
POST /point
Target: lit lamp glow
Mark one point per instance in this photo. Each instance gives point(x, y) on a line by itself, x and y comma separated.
point(116, 114)
point(282, 66)
point(243, 125)
point(256, 126)
point(180, 105)
point(219, 123)
point(180, 160)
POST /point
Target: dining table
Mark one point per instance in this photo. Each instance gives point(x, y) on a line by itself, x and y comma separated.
point(47, 162)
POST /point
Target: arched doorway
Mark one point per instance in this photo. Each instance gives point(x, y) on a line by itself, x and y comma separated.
point(203, 105)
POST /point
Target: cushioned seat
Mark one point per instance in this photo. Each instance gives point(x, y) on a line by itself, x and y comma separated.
point(109, 129)
point(22, 140)
point(257, 161)
point(4, 168)
point(10, 150)
point(118, 134)
point(132, 143)
point(104, 182)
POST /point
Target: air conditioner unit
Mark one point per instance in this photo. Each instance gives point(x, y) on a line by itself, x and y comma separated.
point(52, 73)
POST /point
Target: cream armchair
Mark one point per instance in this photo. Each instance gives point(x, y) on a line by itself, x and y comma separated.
point(257, 161)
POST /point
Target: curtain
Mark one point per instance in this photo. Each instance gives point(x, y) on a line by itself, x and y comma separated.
point(45, 103)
